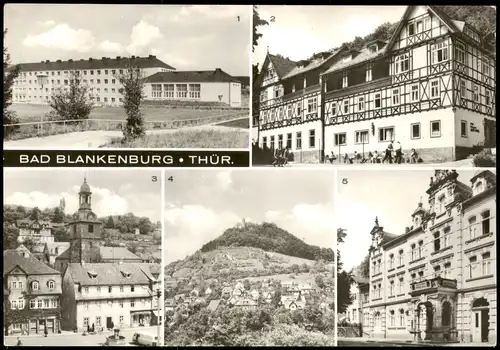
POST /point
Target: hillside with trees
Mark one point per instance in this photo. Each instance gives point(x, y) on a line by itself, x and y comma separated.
point(115, 227)
point(481, 18)
point(269, 237)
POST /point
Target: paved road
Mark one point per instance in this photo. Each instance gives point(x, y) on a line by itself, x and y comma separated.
point(94, 139)
point(74, 339)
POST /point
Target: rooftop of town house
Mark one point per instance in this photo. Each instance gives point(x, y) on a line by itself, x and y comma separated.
point(109, 274)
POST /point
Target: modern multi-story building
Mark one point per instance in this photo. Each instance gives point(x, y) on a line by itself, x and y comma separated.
point(431, 87)
point(103, 286)
point(204, 86)
point(37, 231)
point(32, 292)
point(437, 281)
point(37, 82)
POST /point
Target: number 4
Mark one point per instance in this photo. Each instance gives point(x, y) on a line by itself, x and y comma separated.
point(171, 179)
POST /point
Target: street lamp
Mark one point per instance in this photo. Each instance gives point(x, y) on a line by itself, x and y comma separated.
point(42, 80)
point(160, 316)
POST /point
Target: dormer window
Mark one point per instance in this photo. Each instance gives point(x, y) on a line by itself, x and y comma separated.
point(92, 274)
point(373, 48)
point(126, 274)
point(416, 221)
point(478, 187)
point(441, 207)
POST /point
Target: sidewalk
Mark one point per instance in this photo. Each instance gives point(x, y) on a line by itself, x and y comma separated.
point(408, 342)
point(66, 333)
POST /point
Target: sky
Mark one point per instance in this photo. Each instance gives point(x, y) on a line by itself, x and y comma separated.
point(391, 195)
point(191, 37)
point(300, 31)
point(114, 192)
point(201, 204)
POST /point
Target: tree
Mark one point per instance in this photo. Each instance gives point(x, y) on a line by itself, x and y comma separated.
point(10, 73)
point(319, 281)
point(257, 22)
point(58, 215)
point(61, 235)
point(145, 226)
point(35, 214)
point(76, 103)
point(364, 268)
point(14, 316)
point(132, 81)
point(110, 223)
point(344, 297)
point(341, 235)
point(10, 234)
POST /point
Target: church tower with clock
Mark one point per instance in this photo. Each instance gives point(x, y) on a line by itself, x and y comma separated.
point(85, 230)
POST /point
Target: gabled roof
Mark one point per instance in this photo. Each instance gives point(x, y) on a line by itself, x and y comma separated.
point(364, 55)
point(281, 65)
point(117, 253)
point(28, 222)
point(30, 265)
point(296, 70)
point(454, 26)
point(94, 63)
point(202, 76)
point(108, 274)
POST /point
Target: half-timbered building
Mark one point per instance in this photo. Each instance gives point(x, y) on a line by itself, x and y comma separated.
point(431, 87)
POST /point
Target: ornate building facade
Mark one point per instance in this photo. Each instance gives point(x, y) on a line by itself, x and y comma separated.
point(438, 280)
point(32, 292)
point(431, 87)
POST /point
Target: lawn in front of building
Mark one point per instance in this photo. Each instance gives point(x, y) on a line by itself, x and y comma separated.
point(33, 113)
point(195, 138)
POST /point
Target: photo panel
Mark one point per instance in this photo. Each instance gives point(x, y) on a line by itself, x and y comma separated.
point(249, 247)
point(410, 86)
point(136, 76)
point(82, 256)
point(420, 249)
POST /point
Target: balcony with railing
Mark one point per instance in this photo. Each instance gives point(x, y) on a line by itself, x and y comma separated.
point(432, 285)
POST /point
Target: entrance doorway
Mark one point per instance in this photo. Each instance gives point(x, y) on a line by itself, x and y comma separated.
point(480, 320)
point(109, 322)
point(490, 136)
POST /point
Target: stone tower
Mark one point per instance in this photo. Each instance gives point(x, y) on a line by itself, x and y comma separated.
point(85, 230)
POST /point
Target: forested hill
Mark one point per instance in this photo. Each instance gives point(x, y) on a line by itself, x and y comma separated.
point(271, 238)
point(481, 18)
